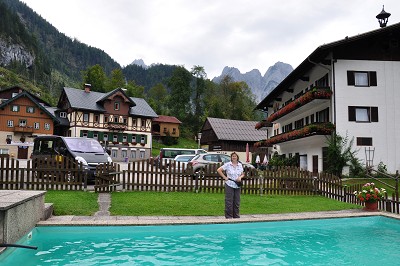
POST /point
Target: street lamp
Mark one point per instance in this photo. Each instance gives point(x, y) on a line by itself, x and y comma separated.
point(369, 157)
point(198, 139)
point(383, 17)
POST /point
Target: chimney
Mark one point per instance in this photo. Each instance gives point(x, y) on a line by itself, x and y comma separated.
point(87, 87)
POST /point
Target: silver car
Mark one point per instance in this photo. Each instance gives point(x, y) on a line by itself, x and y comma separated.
point(200, 161)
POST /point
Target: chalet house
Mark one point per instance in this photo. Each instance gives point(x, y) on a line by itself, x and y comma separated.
point(23, 116)
point(350, 86)
point(164, 126)
point(120, 123)
point(227, 135)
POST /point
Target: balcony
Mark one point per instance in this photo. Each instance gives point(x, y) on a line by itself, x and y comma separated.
point(262, 124)
point(309, 96)
point(306, 131)
point(116, 126)
point(23, 129)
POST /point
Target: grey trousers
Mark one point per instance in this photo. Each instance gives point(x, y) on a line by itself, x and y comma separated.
point(232, 202)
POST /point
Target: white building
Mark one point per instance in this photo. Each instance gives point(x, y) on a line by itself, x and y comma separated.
point(351, 86)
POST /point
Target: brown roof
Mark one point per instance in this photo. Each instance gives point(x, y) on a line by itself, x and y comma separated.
point(167, 119)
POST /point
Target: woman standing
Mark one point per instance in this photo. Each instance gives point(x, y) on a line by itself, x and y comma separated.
point(233, 174)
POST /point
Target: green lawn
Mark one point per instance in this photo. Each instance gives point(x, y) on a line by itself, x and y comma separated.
point(187, 204)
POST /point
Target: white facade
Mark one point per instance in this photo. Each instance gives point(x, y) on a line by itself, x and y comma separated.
point(385, 133)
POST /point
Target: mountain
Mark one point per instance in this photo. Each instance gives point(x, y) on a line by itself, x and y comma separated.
point(259, 85)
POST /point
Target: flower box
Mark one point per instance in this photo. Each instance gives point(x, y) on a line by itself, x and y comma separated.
point(301, 101)
point(308, 130)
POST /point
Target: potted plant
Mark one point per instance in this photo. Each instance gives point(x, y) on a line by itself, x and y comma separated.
point(370, 195)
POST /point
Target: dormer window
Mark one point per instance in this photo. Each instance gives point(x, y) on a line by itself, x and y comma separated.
point(63, 114)
point(15, 108)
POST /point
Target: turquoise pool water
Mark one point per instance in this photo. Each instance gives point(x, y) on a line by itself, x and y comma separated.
point(343, 241)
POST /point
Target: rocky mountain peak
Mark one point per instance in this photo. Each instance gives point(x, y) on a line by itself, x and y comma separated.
point(259, 85)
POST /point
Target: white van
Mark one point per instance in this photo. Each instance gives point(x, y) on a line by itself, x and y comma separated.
point(87, 151)
point(168, 154)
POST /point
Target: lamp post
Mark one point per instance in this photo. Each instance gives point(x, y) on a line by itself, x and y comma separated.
point(383, 17)
point(198, 139)
point(369, 158)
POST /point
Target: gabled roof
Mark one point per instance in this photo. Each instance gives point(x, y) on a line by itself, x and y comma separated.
point(38, 99)
point(79, 99)
point(28, 95)
point(142, 108)
point(226, 129)
point(109, 94)
point(167, 119)
point(319, 55)
point(92, 101)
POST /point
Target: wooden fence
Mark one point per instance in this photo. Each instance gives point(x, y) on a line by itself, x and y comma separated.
point(56, 174)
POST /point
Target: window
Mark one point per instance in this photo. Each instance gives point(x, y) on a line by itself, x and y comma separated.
point(84, 133)
point(116, 106)
point(15, 108)
point(143, 139)
point(36, 125)
point(124, 153)
point(116, 119)
point(22, 123)
point(363, 114)
point(142, 152)
point(361, 78)
point(4, 151)
point(364, 141)
point(134, 122)
point(312, 118)
point(114, 153)
point(105, 137)
point(95, 136)
point(96, 118)
point(115, 138)
point(125, 121)
point(14, 94)
point(105, 119)
point(299, 123)
point(287, 128)
point(174, 131)
point(165, 130)
point(125, 139)
point(47, 126)
point(323, 116)
point(63, 114)
point(133, 154)
point(10, 123)
point(86, 117)
point(30, 109)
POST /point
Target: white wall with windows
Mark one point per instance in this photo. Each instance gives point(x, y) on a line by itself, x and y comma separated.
point(367, 108)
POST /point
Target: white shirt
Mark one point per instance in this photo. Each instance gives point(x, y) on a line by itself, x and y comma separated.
point(232, 172)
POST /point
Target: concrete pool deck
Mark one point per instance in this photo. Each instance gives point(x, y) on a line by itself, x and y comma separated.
point(174, 220)
point(103, 217)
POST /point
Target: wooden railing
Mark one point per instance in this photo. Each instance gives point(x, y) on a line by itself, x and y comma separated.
point(146, 176)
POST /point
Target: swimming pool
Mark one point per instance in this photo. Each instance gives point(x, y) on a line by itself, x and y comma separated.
point(340, 241)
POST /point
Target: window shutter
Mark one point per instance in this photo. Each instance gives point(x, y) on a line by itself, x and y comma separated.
point(90, 134)
point(101, 136)
point(372, 78)
point(374, 114)
point(350, 78)
point(137, 138)
point(129, 137)
point(110, 136)
point(120, 137)
point(352, 113)
point(145, 139)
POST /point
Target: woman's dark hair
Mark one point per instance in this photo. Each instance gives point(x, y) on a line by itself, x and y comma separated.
point(236, 155)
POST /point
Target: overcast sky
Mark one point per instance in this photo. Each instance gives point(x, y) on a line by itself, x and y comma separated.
point(246, 34)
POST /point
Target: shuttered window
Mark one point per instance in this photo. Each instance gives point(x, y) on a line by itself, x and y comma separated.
point(361, 78)
point(363, 114)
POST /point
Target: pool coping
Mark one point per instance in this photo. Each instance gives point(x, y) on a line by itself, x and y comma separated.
point(70, 220)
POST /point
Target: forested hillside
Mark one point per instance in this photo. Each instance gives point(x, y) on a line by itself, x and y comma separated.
point(44, 60)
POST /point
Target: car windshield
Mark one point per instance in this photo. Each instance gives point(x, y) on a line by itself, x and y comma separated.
point(84, 145)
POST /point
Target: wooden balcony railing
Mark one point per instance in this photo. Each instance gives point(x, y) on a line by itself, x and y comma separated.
point(308, 130)
point(301, 101)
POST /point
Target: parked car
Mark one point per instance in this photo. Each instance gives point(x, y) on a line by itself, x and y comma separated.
point(183, 160)
point(200, 161)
